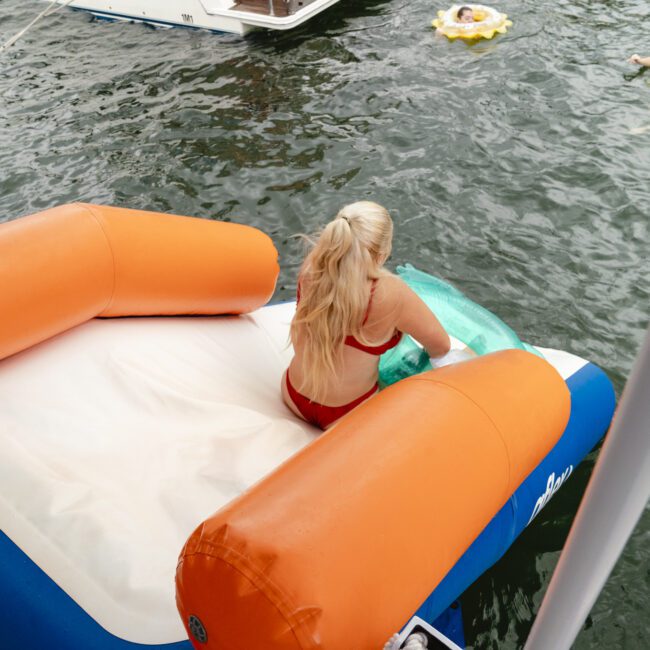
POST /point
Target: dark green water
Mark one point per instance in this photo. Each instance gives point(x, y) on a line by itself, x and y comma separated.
point(518, 169)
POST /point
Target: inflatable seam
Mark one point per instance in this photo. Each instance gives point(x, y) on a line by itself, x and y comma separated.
point(256, 576)
point(100, 223)
point(485, 413)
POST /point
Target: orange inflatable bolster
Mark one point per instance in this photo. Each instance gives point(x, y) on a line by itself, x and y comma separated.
point(63, 266)
point(338, 547)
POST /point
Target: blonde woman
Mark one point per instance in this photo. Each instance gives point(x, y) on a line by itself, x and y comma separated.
point(350, 311)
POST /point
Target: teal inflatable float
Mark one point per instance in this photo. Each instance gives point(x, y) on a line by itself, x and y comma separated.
point(479, 329)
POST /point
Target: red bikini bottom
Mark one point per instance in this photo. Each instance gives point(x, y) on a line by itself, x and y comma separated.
point(319, 414)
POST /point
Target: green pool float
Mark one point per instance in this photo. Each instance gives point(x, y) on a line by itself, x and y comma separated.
point(475, 326)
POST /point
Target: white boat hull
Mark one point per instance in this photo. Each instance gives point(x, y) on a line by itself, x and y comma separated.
point(215, 15)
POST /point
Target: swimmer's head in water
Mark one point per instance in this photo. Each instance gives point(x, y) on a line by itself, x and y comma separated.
point(465, 15)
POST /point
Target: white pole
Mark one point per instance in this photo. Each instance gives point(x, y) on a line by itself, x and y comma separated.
point(614, 500)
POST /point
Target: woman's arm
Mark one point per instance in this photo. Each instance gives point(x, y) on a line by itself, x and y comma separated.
point(640, 60)
point(417, 320)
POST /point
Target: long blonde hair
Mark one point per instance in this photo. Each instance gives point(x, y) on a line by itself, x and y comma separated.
point(333, 282)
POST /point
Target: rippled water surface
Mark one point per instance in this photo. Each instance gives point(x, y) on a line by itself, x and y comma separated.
point(516, 168)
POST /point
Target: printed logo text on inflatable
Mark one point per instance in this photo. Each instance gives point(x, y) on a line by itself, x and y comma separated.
point(552, 486)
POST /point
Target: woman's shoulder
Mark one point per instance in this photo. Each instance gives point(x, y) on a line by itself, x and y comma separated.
point(391, 283)
point(390, 289)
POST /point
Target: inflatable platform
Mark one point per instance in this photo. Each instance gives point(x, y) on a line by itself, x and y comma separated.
point(149, 466)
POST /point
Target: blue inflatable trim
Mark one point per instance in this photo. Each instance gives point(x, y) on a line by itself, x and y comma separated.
point(450, 623)
point(36, 614)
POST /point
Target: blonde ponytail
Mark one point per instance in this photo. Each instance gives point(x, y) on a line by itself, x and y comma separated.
point(333, 279)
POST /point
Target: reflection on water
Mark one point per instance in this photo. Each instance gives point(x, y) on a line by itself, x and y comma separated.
point(516, 168)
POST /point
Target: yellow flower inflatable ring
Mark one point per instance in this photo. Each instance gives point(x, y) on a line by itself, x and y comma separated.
point(487, 23)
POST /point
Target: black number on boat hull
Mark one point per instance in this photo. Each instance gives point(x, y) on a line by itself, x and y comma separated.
point(187, 18)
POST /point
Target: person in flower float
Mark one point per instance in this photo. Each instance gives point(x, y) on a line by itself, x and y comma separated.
point(465, 15)
point(350, 310)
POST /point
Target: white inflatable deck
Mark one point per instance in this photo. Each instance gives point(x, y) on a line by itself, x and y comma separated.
point(133, 430)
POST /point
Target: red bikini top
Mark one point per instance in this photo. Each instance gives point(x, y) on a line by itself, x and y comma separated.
point(370, 349)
